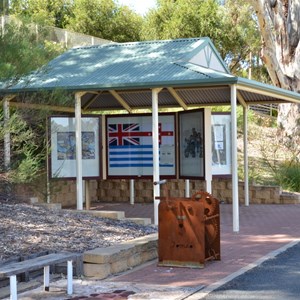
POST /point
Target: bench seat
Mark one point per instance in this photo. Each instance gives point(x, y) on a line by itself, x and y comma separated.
point(13, 269)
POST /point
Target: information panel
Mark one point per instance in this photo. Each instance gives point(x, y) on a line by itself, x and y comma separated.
point(191, 144)
point(130, 145)
point(63, 147)
point(221, 146)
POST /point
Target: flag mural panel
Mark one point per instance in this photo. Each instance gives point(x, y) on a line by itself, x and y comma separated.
point(130, 146)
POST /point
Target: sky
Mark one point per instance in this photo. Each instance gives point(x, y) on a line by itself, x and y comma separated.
point(140, 6)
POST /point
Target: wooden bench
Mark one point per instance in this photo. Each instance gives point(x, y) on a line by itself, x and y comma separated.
point(45, 261)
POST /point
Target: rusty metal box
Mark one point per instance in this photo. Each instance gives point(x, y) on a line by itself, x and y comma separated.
point(189, 231)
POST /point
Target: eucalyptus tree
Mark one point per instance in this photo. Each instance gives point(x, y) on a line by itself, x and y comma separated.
point(279, 22)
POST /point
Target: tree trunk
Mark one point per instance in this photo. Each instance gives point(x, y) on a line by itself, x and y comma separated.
point(279, 22)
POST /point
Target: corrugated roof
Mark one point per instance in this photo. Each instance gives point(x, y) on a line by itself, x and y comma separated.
point(127, 65)
point(190, 71)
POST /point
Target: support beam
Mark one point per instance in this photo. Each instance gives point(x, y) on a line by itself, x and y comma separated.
point(235, 196)
point(121, 100)
point(207, 151)
point(79, 181)
point(155, 139)
point(42, 106)
point(132, 191)
point(92, 100)
point(246, 163)
point(177, 98)
point(187, 189)
point(6, 134)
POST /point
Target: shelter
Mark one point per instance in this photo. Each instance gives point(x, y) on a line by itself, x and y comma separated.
point(182, 73)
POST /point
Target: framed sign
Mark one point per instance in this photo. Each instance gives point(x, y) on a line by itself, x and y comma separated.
point(191, 144)
point(63, 147)
point(221, 146)
point(130, 146)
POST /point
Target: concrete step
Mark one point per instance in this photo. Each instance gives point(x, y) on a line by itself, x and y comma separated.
point(113, 214)
point(103, 262)
point(139, 221)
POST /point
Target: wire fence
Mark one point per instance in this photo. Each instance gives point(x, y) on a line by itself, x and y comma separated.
point(65, 37)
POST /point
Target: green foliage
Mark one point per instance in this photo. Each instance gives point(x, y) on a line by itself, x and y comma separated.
point(50, 12)
point(22, 52)
point(181, 19)
point(105, 19)
point(26, 155)
point(288, 176)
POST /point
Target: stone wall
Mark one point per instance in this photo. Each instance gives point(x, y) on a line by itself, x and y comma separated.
point(64, 192)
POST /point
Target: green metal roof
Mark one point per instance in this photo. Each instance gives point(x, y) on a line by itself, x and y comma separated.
point(190, 71)
point(130, 65)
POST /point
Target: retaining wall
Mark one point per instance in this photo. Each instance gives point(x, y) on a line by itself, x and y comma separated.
point(64, 192)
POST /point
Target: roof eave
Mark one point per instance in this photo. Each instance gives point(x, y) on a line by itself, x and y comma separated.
point(126, 86)
point(267, 90)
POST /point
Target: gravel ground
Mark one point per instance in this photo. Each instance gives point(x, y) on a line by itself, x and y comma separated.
point(27, 229)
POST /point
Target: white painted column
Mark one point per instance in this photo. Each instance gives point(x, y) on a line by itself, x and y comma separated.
point(246, 164)
point(187, 188)
point(207, 150)
point(2, 25)
point(47, 278)
point(79, 181)
point(87, 195)
point(6, 134)
point(13, 287)
point(69, 277)
point(131, 191)
point(235, 194)
point(155, 140)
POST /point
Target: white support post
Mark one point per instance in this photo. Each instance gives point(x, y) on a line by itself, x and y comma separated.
point(13, 287)
point(235, 195)
point(2, 25)
point(155, 139)
point(246, 164)
point(6, 134)
point(70, 278)
point(207, 150)
point(187, 188)
point(87, 195)
point(47, 278)
point(131, 191)
point(79, 181)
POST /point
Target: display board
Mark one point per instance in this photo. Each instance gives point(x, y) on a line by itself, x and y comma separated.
point(63, 147)
point(130, 145)
point(191, 144)
point(221, 146)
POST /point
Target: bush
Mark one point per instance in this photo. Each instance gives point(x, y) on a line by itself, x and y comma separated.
point(288, 176)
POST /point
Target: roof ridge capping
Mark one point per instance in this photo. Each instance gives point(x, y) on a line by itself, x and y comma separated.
point(116, 44)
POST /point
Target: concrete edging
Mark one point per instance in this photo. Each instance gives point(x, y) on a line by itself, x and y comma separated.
point(103, 262)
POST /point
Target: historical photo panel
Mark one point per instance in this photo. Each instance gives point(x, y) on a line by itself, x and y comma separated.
point(191, 144)
point(221, 146)
point(63, 147)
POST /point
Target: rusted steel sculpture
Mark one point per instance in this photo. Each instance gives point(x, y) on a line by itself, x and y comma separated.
point(189, 230)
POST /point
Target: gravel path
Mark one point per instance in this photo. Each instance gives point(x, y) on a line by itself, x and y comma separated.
point(27, 229)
